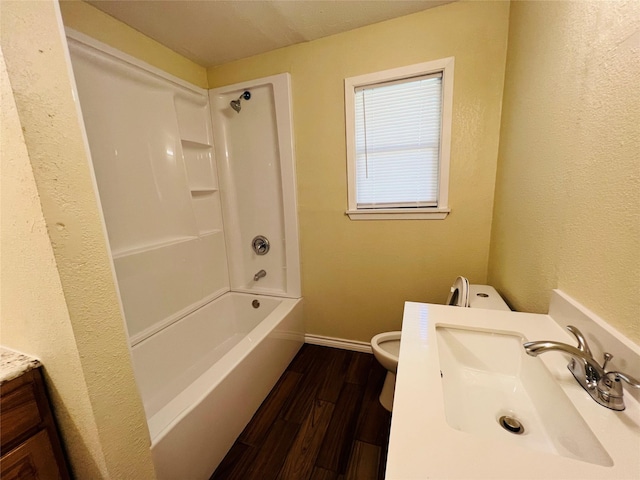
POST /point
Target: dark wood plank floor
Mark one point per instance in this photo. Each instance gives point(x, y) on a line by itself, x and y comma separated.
point(322, 421)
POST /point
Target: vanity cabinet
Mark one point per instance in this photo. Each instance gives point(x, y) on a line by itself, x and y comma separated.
point(29, 439)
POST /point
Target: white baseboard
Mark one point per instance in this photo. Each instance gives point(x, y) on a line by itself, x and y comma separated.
point(338, 343)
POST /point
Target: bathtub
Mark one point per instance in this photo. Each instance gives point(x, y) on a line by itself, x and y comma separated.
point(202, 378)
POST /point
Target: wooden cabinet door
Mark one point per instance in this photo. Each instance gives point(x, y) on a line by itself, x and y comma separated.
point(31, 460)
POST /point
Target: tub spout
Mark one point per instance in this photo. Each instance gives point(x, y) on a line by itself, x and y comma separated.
point(259, 275)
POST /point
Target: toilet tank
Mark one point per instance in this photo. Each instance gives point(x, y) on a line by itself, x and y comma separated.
point(485, 296)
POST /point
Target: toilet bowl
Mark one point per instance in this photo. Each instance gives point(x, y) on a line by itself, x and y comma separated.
point(386, 346)
point(386, 349)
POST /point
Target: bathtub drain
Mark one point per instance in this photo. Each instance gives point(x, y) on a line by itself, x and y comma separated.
point(255, 303)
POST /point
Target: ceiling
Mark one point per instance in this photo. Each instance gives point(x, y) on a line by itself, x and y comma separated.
point(213, 32)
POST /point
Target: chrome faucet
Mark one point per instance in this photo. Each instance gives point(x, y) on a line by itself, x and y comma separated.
point(259, 275)
point(604, 387)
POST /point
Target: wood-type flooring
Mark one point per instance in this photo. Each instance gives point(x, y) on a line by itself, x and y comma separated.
point(322, 421)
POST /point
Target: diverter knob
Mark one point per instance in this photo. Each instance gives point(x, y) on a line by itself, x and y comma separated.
point(260, 245)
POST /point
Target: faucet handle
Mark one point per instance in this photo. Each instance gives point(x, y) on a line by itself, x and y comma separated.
point(582, 342)
point(607, 357)
point(609, 389)
point(627, 378)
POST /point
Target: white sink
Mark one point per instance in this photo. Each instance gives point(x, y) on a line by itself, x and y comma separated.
point(446, 426)
point(488, 381)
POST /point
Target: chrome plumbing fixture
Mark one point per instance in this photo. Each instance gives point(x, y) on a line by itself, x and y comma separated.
point(235, 104)
point(511, 424)
point(259, 275)
point(604, 387)
point(260, 245)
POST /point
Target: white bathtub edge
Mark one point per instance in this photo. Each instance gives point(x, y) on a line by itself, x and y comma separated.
point(195, 443)
point(184, 403)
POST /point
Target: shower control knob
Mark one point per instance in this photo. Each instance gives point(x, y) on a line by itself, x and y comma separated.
point(260, 245)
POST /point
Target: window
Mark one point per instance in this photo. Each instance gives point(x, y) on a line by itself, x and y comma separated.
point(398, 140)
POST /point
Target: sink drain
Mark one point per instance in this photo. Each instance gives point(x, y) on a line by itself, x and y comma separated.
point(511, 425)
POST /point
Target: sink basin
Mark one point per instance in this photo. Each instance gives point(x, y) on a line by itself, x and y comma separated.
point(487, 376)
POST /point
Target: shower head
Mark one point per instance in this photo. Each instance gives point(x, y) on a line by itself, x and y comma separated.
point(235, 104)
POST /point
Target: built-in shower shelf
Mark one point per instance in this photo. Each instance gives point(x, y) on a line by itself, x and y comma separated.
point(213, 231)
point(203, 191)
point(194, 144)
point(125, 252)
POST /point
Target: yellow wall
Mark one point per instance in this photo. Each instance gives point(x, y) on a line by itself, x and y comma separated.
point(571, 97)
point(59, 300)
point(89, 20)
point(357, 274)
point(37, 300)
point(567, 211)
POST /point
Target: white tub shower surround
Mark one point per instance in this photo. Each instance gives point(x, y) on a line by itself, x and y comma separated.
point(208, 338)
point(254, 153)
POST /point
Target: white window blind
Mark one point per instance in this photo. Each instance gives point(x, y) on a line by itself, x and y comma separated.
point(397, 143)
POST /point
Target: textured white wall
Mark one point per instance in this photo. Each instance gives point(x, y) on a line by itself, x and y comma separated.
point(567, 206)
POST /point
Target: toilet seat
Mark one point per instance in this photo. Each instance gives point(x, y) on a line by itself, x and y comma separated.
point(459, 294)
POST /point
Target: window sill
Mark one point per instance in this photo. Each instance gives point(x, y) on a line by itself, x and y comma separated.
point(399, 214)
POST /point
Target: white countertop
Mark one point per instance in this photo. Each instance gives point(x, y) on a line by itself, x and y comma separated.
point(423, 445)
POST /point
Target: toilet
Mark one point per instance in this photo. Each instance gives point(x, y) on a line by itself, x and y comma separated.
point(386, 346)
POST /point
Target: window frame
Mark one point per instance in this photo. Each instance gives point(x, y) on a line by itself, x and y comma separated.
point(444, 65)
